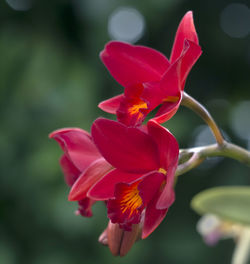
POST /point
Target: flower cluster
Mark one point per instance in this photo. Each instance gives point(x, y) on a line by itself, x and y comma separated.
point(127, 163)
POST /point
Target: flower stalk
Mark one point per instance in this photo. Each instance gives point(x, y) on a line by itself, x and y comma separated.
point(199, 154)
point(242, 249)
point(199, 109)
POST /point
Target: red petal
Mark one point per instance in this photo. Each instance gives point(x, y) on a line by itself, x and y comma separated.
point(84, 207)
point(77, 145)
point(186, 30)
point(126, 148)
point(153, 217)
point(104, 189)
point(71, 173)
point(166, 142)
point(88, 178)
point(111, 105)
point(166, 111)
point(191, 53)
point(150, 185)
point(130, 64)
point(167, 196)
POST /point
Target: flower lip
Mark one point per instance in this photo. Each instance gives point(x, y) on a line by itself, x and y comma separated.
point(131, 200)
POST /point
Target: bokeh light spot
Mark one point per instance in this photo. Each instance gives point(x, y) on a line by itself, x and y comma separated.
point(240, 120)
point(19, 5)
point(235, 20)
point(126, 24)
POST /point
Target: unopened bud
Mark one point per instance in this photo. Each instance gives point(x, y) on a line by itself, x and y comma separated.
point(103, 238)
point(121, 241)
point(118, 240)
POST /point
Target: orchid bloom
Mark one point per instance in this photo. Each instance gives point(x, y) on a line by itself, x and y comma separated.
point(145, 164)
point(81, 163)
point(149, 78)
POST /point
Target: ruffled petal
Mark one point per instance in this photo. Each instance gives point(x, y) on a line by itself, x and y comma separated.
point(111, 105)
point(167, 144)
point(71, 173)
point(77, 145)
point(131, 198)
point(88, 178)
point(130, 64)
point(186, 30)
point(126, 148)
point(104, 189)
point(125, 209)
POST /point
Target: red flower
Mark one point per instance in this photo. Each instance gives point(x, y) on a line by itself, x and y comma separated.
point(81, 163)
point(148, 77)
point(145, 164)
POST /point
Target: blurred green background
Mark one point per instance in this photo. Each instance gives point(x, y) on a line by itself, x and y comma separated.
point(51, 77)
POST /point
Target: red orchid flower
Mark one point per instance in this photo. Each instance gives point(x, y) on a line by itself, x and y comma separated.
point(149, 78)
point(81, 163)
point(145, 164)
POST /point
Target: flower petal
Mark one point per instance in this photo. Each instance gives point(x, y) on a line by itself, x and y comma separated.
point(111, 105)
point(130, 64)
point(167, 144)
point(71, 173)
point(150, 185)
point(186, 30)
point(126, 148)
point(84, 207)
point(153, 217)
point(77, 145)
point(104, 189)
point(166, 111)
point(191, 53)
point(167, 196)
point(88, 178)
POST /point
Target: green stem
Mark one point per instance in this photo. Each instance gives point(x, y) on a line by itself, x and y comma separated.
point(199, 154)
point(194, 105)
point(242, 249)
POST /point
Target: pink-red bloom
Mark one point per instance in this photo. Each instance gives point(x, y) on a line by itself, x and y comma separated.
point(149, 78)
point(81, 163)
point(145, 162)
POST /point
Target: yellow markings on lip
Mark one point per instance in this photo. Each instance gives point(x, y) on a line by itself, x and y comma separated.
point(131, 199)
point(135, 109)
point(161, 170)
point(171, 99)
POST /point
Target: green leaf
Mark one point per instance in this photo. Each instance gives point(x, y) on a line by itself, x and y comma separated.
point(228, 203)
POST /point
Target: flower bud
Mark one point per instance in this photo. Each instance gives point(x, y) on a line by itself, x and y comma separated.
point(118, 240)
point(103, 238)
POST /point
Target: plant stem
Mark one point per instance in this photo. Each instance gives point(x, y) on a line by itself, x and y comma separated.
point(241, 252)
point(194, 105)
point(199, 154)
